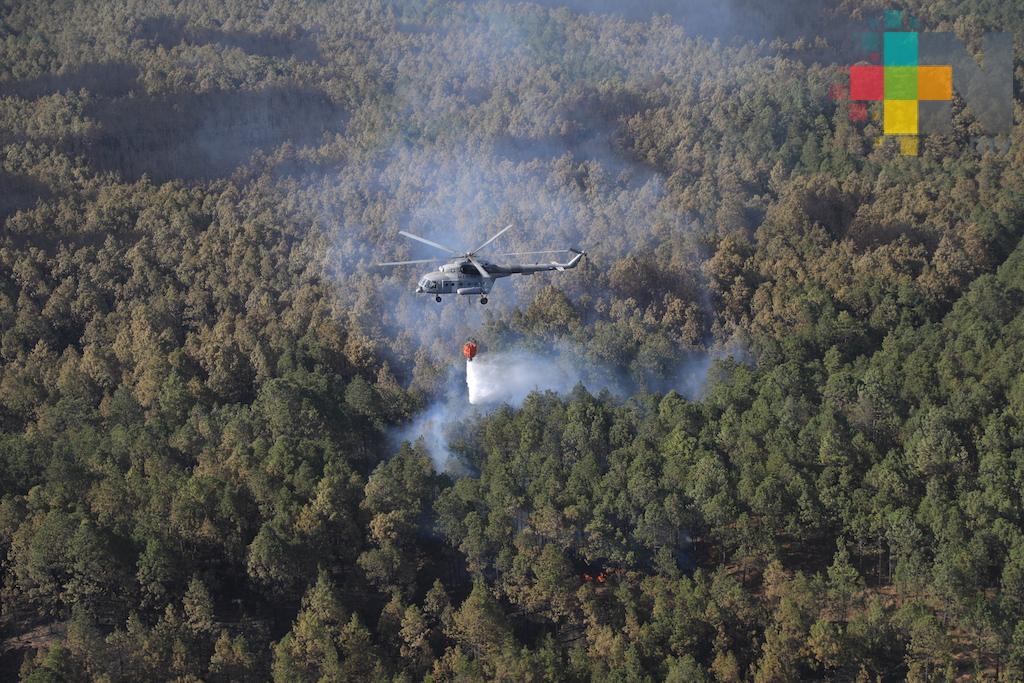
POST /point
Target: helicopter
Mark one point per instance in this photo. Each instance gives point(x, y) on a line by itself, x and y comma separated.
point(467, 275)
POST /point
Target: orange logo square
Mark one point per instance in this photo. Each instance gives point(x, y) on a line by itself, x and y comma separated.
point(935, 82)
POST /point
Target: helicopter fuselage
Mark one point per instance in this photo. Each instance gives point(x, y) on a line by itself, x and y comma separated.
point(460, 276)
point(466, 275)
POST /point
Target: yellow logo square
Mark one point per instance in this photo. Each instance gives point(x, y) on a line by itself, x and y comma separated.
point(900, 117)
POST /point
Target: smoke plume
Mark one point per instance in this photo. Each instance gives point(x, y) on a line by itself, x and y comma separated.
point(507, 377)
point(510, 376)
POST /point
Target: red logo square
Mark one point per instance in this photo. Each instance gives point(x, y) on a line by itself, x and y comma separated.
point(867, 83)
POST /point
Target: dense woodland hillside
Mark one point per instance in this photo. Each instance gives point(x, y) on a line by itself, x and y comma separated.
point(202, 371)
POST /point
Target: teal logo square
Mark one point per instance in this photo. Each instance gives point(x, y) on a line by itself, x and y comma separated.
point(900, 49)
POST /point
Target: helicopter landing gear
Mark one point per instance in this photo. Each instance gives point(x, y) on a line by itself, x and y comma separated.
point(437, 298)
point(483, 299)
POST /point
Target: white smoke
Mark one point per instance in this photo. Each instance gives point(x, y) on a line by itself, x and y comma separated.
point(432, 427)
point(508, 377)
point(435, 424)
point(492, 380)
point(691, 378)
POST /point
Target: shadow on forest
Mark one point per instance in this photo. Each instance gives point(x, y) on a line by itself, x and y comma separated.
point(201, 136)
point(736, 22)
point(596, 135)
point(19, 192)
point(184, 135)
point(169, 31)
point(722, 19)
point(602, 147)
point(110, 79)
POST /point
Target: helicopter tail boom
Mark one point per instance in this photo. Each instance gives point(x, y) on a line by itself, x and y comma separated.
point(554, 265)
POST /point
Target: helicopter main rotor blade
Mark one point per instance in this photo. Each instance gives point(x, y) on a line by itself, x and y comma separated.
point(502, 232)
point(426, 241)
point(530, 253)
point(479, 267)
point(405, 263)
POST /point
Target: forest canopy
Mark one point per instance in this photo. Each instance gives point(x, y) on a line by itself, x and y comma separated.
point(204, 378)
